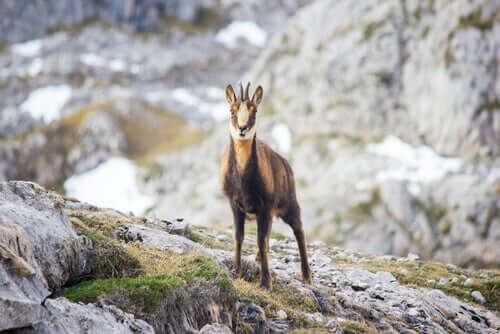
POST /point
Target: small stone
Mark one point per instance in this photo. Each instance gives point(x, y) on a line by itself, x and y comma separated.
point(314, 317)
point(317, 243)
point(222, 237)
point(215, 329)
point(469, 281)
point(385, 276)
point(282, 315)
point(451, 267)
point(413, 257)
point(360, 286)
point(454, 280)
point(431, 281)
point(478, 297)
point(443, 281)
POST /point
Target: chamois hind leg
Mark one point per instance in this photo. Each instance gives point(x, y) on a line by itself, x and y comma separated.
point(295, 223)
point(239, 234)
point(263, 231)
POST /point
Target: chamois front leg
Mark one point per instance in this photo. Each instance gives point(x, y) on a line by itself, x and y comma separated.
point(239, 234)
point(263, 231)
point(257, 257)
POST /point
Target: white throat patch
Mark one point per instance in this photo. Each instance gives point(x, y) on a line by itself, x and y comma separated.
point(235, 133)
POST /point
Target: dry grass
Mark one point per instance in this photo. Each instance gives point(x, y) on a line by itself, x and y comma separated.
point(354, 327)
point(282, 297)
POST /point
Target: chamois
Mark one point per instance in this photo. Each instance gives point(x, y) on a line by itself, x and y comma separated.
point(259, 183)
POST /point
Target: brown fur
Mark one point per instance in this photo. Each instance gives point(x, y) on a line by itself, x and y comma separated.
point(259, 182)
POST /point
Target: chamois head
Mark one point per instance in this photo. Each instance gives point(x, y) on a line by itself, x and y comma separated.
point(243, 111)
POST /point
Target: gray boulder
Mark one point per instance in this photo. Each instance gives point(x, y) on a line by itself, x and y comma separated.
point(215, 329)
point(62, 316)
point(60, 253)
point(23, 286)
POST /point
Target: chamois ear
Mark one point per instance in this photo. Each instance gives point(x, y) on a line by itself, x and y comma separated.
point(230, 96)
point(257, 96)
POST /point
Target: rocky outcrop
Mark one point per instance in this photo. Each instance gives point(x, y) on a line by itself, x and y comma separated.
point(144, 15)
point(51, 240)
point(24, 287)
point(62, 316)
point(187, 287)
point(74, 144)
point(39, 254)
point(139, 15)
point(370, 73)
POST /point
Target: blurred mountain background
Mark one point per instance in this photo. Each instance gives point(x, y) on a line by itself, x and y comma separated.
point(388, 111)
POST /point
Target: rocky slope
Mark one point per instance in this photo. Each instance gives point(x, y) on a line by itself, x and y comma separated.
point(70, 267)
point(143, 15)
point(388, 112)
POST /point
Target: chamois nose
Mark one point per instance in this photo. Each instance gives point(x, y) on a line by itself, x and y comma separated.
point(242, 128)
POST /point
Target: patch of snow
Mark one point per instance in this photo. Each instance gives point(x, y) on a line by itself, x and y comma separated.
point(416, 165)
point(236, 30)
point(154, 96)
point(117, 65)
point(215, 106)
point(35, 67)
point(46, 102)
point(28, 48)
point(92, 59)
point(135, 69)
point(112, 184)
point(184, 96)
point(282, 135)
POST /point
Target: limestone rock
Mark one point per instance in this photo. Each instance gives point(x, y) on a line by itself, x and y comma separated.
point(63, 316)
point(24, 287)
point(215, 329)
point(59, 252)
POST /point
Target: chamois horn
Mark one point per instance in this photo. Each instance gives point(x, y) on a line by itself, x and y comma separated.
point(242, 97)
point(246, 91)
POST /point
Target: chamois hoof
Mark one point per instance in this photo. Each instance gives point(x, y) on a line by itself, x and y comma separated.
point(307, 278)
point(267, 285)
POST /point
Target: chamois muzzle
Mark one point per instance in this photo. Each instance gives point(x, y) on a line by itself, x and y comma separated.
point(242, 130)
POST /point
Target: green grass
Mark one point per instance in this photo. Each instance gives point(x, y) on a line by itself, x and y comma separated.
point(278, 236)
point(145, 292)
point(199, 267)
point(475, 20)
point(370, 29)
point(109, 258)
point(196, 237)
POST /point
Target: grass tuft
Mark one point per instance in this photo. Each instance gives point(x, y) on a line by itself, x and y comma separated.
point(110, 259)
point(354, 327)
point(282, 297)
